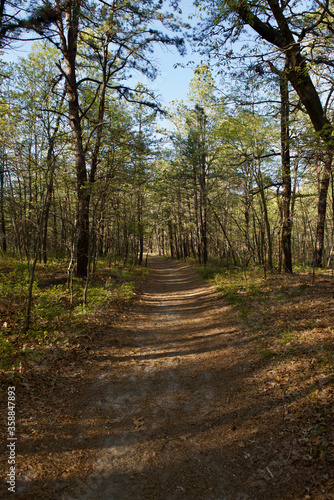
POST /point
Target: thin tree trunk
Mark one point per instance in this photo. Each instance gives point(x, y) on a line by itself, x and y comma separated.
point(170, 227)
point(266, 222)
point(3, 224)
point(31, 283)
point(322, 206)
point(203, 210)
point(105, 78)
point(49, 160)
point(286, 176)
point(140, 229)
point(199, 251)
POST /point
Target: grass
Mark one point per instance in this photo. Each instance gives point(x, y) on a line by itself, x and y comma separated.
point(265, 354)
point(56, 313)
point(287, 312)
point(238, 290)
point(126, 290)
point(291, 320)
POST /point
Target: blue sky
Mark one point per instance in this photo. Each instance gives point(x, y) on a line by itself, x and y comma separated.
point(171, 83)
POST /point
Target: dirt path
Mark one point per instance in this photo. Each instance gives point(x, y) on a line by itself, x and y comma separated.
point(171, 411)
point(165, 394)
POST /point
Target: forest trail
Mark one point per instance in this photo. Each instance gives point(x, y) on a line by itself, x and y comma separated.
point(168, 395)
point(171, 410)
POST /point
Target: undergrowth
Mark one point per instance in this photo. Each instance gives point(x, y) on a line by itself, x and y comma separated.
point(291, 320)
point(281, 308)
point(57, 310)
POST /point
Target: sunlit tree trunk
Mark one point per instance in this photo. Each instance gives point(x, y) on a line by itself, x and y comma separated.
point(2, 191)
point(322, 207)
point(286, 176)
point(203, 209)
point(50, 166)
point(69, 38)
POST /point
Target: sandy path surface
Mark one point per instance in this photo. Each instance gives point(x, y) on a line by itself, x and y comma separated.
point(171, 399)
point(165, 403)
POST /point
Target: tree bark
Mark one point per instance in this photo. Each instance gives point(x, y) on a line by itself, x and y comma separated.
point(322, 207)
point(3, 224)
point(69, 50)
point(140, 229)
point(170, 228)
point(50, 168)
point(259, 181)
point(286, 176)
point(298, 75)
point(203, 209)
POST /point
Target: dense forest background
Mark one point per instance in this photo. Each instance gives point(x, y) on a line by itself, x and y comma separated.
point(241, 172)
point(135, 379)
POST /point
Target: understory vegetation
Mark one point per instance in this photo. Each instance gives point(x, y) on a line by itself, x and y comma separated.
point(290, 321)
point(95, 173)
point(59, 315)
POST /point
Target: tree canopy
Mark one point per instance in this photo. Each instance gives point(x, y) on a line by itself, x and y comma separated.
point(242, 171)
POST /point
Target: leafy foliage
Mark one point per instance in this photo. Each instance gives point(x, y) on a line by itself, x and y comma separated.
point(58, 313)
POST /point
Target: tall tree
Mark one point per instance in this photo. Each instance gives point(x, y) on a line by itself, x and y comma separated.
point(18, 16)
point(287, 27)
point(126, 27)
point(286, 175)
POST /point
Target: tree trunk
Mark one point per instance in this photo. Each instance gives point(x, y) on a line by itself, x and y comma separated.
point(170, 227)
point(3, 224)
point(140, 229)
point(322, 206)
point(198, 238)
point(105, 79)
point(203, 209)
point(297, 73)
point(69, 50)
point(51, 167)
point(286, 176)
point(266, 221)
point(45, 226)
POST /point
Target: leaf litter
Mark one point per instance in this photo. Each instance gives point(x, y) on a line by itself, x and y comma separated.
point(179, 394)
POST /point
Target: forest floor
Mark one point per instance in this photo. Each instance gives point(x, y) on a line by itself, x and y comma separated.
point(185, 394)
